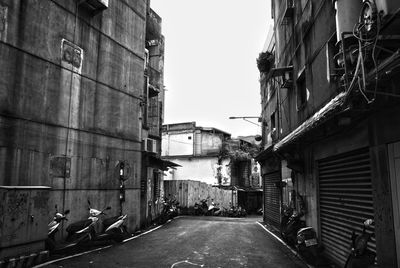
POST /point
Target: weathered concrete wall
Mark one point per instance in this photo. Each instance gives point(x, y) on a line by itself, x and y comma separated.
point(211, 143)
point(189, 192)
point(180, 143)
point(64, 125)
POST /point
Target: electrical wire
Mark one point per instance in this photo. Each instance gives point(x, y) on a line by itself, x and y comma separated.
point(364, 44)
point(373, 56)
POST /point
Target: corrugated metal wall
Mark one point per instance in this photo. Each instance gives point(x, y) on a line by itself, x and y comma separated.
point(188, 192)
point(345, 199)
point(272, 198)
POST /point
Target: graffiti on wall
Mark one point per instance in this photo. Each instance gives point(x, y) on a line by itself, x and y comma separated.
point(15, 207)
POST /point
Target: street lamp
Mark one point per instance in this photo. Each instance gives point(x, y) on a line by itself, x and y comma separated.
point(245, 119)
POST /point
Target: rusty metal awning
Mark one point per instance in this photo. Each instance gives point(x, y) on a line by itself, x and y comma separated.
point(332, 107)
point(247, 189)
point(265, 153)
point(162, 163)
point(170, 164)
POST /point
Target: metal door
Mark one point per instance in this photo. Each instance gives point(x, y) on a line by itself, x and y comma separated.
point(272, 198)
point(345, 200)
point(394, 165)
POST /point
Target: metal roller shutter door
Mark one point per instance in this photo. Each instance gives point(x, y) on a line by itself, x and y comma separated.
point(272, 199)
point(345, 200)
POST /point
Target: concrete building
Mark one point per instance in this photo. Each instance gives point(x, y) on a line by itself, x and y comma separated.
point(329, 89)
point(211, 156)
point(197, 150)
point(81, 97)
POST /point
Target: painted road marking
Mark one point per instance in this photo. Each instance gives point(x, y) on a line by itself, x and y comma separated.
point(186, 261)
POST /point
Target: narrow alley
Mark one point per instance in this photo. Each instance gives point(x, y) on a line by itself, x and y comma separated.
point(195, 241)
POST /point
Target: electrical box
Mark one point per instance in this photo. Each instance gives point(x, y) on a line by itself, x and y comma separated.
point(24, 215)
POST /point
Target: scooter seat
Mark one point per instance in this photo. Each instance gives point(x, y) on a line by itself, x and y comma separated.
point(107, 222)
point(79, 225)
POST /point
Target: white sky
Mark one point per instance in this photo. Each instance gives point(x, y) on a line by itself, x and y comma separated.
point(210, 71)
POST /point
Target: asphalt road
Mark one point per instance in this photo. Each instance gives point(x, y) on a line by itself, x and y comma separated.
point(195, 242)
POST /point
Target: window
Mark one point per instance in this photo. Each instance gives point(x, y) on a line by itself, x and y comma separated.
point(273, 132)
point(273, 124)
point(144, 102)
point(146, 59)
point(333, 70)
point(301, 90)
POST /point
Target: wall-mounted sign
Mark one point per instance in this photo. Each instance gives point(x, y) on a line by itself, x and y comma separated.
point(71, 55)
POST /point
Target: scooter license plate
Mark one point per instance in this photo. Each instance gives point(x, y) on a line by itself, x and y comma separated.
point(310, 242)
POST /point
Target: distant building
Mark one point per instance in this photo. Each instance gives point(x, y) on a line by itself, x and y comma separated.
point(210, 155)
point(197, 150)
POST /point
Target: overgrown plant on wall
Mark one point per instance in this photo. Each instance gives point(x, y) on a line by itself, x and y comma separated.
point(265, 61)
point(238, 152)
point(236, 155)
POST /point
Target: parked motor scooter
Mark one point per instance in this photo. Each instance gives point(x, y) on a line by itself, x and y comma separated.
point(308, 247)
point(54, 226)
point(84, 230)
point(260, 211)
point(360, 255)
point(241, 212)
point(218, 211)
point(232, 211)
point(203, 206)
point(175, 207)
point(211, 208)
point(291, 223)
point(290, 229)
point(169, 211)
point(197, 209)
point(112, 228)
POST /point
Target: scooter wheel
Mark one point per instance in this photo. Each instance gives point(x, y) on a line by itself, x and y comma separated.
point(117, 235)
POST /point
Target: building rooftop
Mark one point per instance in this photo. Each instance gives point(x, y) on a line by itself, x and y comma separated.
point(191, 126)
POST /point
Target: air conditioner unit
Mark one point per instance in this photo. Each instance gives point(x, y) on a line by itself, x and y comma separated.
point(150, 145)
point(94, 6)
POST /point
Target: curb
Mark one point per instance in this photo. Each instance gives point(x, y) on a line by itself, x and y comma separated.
point(97, 249)
point(295, 253)
point(25, 260)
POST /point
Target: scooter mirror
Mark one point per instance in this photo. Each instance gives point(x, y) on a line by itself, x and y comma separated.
point(66, 212)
